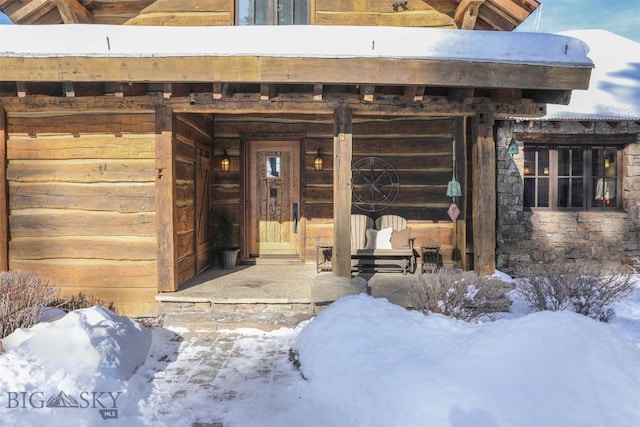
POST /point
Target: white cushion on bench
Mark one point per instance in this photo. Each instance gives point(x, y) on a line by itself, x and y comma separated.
point(383, 239)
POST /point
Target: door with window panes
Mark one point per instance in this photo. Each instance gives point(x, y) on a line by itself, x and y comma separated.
point(566, 177)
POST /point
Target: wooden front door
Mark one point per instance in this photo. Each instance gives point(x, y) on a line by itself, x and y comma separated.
point(273, 200)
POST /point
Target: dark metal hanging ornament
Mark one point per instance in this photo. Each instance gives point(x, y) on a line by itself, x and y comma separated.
point(375, 184)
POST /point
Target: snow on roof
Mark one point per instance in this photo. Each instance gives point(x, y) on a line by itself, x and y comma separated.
point(292, 41)
point(614, 89)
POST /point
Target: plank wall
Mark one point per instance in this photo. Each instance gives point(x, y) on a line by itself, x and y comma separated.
point(419, 149)
point(379, 12)
point(183, 13)
point(193, 147)
point(82, 204)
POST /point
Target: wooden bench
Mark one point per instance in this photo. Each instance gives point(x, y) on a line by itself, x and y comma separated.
point(382, 246)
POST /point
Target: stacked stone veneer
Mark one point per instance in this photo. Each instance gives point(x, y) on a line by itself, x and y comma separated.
point(526, 238)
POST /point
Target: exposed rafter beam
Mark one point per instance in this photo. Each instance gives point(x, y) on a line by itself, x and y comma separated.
point(73, 12)
point(22, 15)
point(467, 13)
point(317, 91)
point(367, 92)
point(68, 89)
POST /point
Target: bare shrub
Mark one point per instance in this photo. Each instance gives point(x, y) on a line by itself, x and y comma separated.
point(81, 300)
point(22, 295)
point(636, 266)
point(577, 287)
point(463, 295)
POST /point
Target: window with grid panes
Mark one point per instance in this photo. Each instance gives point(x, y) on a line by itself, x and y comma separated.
point(571, 177)
point(272, 12)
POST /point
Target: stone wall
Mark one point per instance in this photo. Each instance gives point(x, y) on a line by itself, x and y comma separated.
point(525, 238)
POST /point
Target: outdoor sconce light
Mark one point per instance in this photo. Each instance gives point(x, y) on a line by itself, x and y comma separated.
point(513, 149)
point(317, 162)
point(225, 163)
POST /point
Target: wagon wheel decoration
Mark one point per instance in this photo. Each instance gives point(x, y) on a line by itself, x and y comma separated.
point(375, 184)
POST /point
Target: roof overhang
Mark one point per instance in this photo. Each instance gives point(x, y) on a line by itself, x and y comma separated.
point(294, 54)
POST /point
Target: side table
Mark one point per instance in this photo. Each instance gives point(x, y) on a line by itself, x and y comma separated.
point(324, 253)
point(430, 253)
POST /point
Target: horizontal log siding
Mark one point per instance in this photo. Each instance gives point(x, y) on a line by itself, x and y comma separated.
point(184, 13)
point(379, 12)
point(419, 149)
point(82, 204)
point(192, 139)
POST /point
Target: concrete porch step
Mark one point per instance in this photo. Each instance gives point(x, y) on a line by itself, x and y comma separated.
point(205, 316)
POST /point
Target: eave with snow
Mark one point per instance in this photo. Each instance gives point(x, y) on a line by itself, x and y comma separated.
point(340, 77)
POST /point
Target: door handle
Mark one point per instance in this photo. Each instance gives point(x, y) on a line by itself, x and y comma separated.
point(295, 218)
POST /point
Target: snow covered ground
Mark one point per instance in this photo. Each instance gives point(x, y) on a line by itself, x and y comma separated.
point(364, 362)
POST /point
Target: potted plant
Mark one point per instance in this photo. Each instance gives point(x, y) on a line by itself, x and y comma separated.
point(227, 246)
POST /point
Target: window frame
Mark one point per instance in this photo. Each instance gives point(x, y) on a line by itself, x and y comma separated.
point(272, 12)
point(587, 177)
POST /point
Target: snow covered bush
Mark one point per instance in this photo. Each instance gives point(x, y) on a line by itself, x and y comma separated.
point(463, 295)
point(577, 287)
point(22, 296)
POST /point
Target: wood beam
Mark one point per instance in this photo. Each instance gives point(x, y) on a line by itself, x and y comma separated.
point(166, 210)
point(506, 96)
point(466, 14)
point(219, 90)
point(4, 194)
point(483, 159)
point(413, 93)
point(21, 89)
point(249, 69)
point(72, 12)
point(560, 97)
point(389, 105)
point(167, 90)
point(462, 169)
point(464, 95)
point(267, 91)
point(367, 92)
point(342, 153)
point(69, 91)
point(30, 8)
point(317, 91)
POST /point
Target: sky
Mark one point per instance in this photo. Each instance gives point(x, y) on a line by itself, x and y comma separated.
point(93, 368)
point(617, 16)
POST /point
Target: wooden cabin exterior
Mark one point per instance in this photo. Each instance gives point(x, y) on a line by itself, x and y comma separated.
point(112, 163)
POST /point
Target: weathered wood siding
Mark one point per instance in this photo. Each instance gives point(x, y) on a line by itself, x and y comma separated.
point(82, 203)
point(419, 149)
point(379, 12)
point(193, 147)
point(185, 13)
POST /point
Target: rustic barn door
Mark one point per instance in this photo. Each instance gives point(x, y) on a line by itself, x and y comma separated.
point(273, 200)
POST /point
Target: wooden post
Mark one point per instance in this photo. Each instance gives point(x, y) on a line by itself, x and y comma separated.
point(484, 194)
point(342, 151)
point(460, 134)
point(166, 210)
point(4, 200)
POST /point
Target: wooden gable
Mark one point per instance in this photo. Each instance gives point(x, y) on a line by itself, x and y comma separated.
point(501, 15)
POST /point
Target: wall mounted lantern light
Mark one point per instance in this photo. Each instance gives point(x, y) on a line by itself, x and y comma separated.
point(513, 149)
point(225, 163)
point(317, 162)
